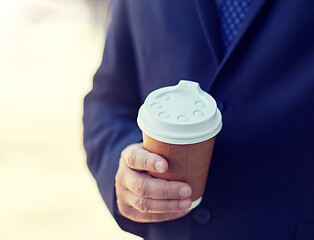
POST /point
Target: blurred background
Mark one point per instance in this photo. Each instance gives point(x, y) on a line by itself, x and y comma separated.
point(49, 51)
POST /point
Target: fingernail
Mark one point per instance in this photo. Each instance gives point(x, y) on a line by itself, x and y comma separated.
point(185, 204)
point(184, 192)
point(160, 166)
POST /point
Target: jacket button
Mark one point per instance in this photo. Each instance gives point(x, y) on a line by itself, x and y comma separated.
point(201, 216)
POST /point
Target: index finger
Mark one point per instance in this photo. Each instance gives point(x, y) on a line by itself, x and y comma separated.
point(145, 186)
point(136, 157)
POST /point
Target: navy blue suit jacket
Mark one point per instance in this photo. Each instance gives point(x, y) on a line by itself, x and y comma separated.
point(261, 180)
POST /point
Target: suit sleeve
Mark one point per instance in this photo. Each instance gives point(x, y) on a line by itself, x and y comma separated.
point(110, 111)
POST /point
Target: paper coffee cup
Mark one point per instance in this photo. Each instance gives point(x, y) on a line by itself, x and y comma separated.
point(180, 123)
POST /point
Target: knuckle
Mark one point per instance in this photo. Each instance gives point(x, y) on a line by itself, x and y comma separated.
point(167, 190)
point(140, 188)
point(117, 178)
point(118, 189)
point(116, 186)
point(132, 157)
point(120, 176)
point(142, 204)
point(124, 152)
point(145, 160)
point(119, 194)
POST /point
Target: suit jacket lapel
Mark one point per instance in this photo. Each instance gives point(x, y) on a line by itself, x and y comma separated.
point(210, 22)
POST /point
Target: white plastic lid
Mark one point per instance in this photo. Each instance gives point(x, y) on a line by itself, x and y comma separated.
point(181, 114)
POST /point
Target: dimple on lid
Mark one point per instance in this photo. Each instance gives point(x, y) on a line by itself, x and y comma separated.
point(180, 114)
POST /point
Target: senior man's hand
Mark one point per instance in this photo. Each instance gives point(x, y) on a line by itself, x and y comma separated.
point(142, 198)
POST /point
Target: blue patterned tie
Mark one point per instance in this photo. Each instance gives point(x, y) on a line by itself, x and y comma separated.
point(232, 13)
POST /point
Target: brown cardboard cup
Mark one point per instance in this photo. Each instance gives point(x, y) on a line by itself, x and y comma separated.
point(186, 163)
point(180, 123)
